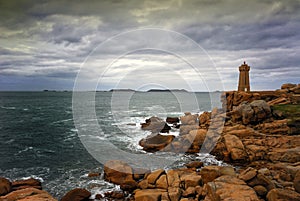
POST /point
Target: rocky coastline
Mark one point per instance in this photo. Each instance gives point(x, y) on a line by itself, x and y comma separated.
point(258, 132)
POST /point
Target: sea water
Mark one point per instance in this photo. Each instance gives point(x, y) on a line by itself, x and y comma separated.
point(38, 137)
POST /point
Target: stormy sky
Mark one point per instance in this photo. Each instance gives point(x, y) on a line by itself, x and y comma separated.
point(143, 44)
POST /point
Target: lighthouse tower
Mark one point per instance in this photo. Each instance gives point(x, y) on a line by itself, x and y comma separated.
point(244, 82)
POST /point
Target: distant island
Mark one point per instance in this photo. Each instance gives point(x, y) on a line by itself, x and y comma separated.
point(167, 90)
point(123, 90)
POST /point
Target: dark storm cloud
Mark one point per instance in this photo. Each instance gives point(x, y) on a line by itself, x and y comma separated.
point(53, 38)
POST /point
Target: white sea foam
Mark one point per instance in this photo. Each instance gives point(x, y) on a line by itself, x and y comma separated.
point(8, 108)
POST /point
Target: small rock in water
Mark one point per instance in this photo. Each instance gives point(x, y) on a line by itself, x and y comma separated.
point(77, 194)
point(94, 174)
point(194, 164)
point(172, 120)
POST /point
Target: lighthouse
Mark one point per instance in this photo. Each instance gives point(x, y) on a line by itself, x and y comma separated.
point(244, 82)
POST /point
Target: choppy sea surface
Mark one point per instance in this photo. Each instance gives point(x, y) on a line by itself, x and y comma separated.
point(38, 137)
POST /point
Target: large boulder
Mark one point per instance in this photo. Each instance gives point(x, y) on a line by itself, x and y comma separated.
point(5, 186)
point(172, 120)
point(156, 142)
point(235, 147)
point(251, 113)
point(119, 172)
point(189, 119)
point(27, 194)
point(155, 125)
point(77, 194)
point(230, 188)
point(26, 183)
point(149, 195)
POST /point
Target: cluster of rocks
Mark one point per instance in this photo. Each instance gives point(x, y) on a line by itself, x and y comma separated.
point(290, 88)
point(288, 94)
point(209, 183)
point(21, 190)
point(246, 132)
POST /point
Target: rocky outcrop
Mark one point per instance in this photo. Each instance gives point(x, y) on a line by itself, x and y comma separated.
point(251, 113)
point(27, 183)
point(27, 194)
point(77, 194)
point(119, 172)
point(156, 142)
point(172, 120)
point(229, 188)
point(156, 125)
point(235, 148)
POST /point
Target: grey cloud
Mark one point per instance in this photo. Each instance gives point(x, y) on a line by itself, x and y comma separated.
point(264, 32)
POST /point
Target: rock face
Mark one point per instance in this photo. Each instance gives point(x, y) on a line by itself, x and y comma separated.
point(232, 99)
point(235, 147)
point(77, 194)
point(254, 112)
point(156, 142)
point(28, 194)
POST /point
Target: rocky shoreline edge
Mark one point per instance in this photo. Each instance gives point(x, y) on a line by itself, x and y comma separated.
point(257, 131)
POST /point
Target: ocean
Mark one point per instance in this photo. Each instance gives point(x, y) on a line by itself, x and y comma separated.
point(38, 136)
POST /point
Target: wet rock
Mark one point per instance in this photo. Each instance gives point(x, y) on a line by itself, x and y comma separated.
point(27, 183)
point(282, 195)
point(156, 142)
point(115, 195)
point(94, 174)
point(77, 194)
point(155, 125)
point(172, 120)
point(28, 194)
point(194, 164)
point(5, 186)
